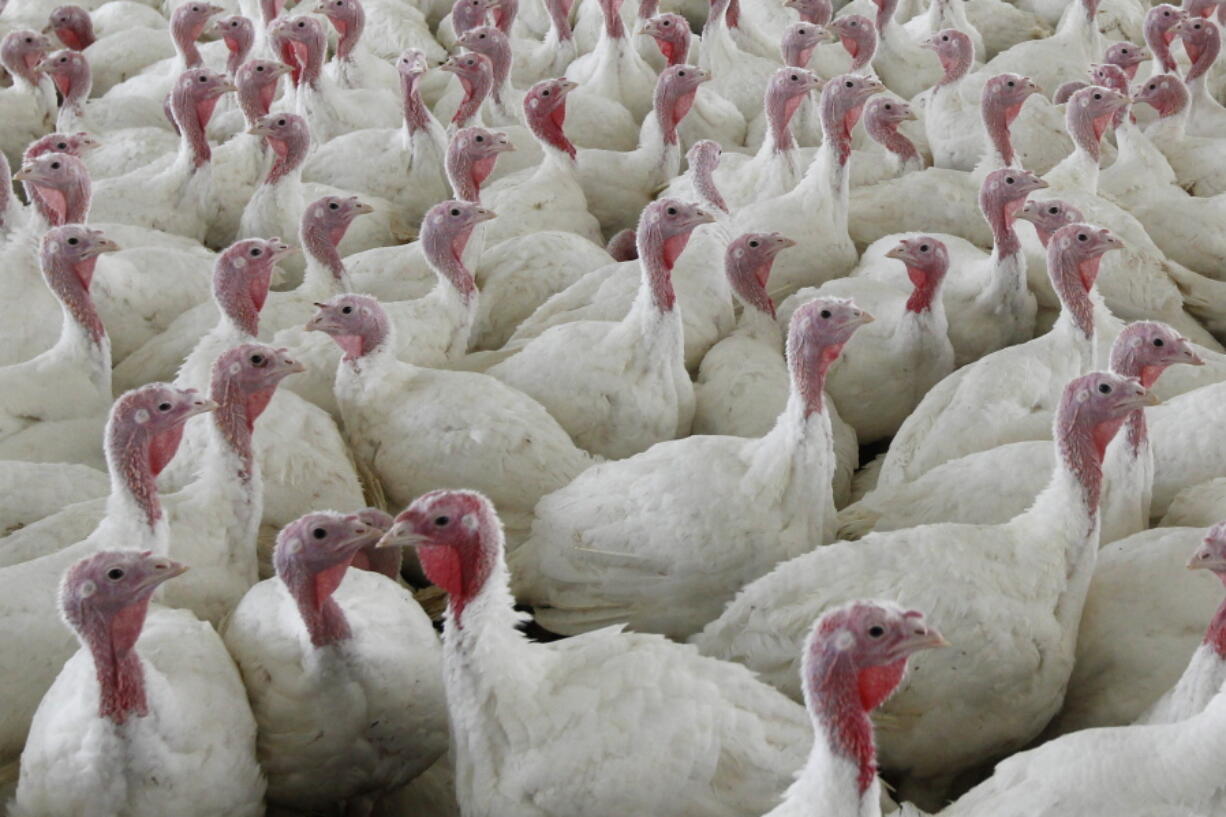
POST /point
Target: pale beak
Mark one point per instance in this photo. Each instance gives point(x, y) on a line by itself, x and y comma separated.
point(104, 245)
point(22, 174)
point(1203, 559)
point(203, 407)
point(898, 253)
point(911, 117)
point(362, 208)
point(172, 570)
point(865, 317)
point(398, 537)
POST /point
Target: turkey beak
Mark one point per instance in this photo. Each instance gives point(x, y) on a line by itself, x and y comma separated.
point(910, 116)
point(1144, 399)
point(898, 253)
point(504, 144)
point(103, 245)
point(24, 173)
point(259, 129)
point(226, 87)
point(362, 208)
point(202, 407)
point(281, 70)
point(1190, 355)
point(485, 215)
point(873, 86)
point(400, 535)
point(864, 317)
point(162, 570)
point(568, 85)
point(1205, 559)
point(827, 35)
point(929, 639)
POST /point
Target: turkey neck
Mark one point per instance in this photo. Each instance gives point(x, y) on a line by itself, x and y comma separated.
point(614, 28)
point(780, 108)
point(703, 179)
point(192, 117)
point(1203, 56)
point(349, 29)
point(997, 118)
point(240, 301)
point(559, 22)
point(134, 459)
point(416, 116)
point(288, 157)
point(900, 147)
point(184, 35)
point(444, 251)
point(75, 91)
point(111, 640)
point(467, 172)
point(312, 592)
point(498, 50)
point(1008, 262)
point(307, 60)
point(1124, 362)
point(827, 178)
point(1073, 282)
point(82, 335)
point(548, 129)
point(885, 16)
point(476, 89)
point(1079, 170)
point(659, 146)
point(325, 274)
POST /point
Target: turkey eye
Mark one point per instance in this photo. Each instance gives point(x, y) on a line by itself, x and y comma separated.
point(345, 310)
point(753, 243)
point(1104, 388)
point(480, 138)
point(545, 92)
point(795, 78)
point(334, 206)
point(1098, 96)
point(482, 37)
point(455, 211)
point(1053, 210)
point(61, 146)
point(1159, 342)
point(801, 31)
point(667, 23)
point(923, 248)
point(257, 360)
point(849, 84)
point(256, 252)
point(55, 165)
point(1082, 237)
point(281, 122)
point(876, 631)
point(825, 313)
point(672, 211)
point(681, 73)
point(945, 38)
point(1009, 83)
point(73, 242)
point(115, 574)
point(203, 78)
point(441, 520)
point(319, 533)
point(1153, 87)
point(1008, 180)
point(163, 406)
point(301, 25)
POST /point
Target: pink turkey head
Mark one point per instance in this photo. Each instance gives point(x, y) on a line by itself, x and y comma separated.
point(747, 263)
point(152, 417)
point(1211, 553)
point(816, 336)
point(241, 277)
point(69, 254)
point(356, 323)
point(1165, 93)
point(445, 231)
point(311, 557)
point(1127, 56)
point(22, 51)
point(927, 261)
point(1144, 349)
point(257, 86)
point(466, 14)
point(1160, 31)
point(817, 12)
point(470, 159)
point(1049, 216)
point(70, 72)
point(956, 52)
point(858, 36)
point(244, 379)
point(74, 144)
point(545, 112)
point(672, 35)
point(674, 96)
point(1089, 112)
point(73, 26)
point(238, 33)
point(843, 99)
point(1202, 40)
point(61, 184)
point(476, 74)
point(799, 42)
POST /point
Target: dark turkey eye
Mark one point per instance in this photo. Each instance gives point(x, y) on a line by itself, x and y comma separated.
point(55, 165)
point(1105, 388)
point(681, 73)
point(1159, 342)
point(61, 146)
point(1082, 237)
point(256, 252)
point(455, 211)
point(801, 31)
point(259, 68)
point(73, 242)
point(441, 520)
point(29, 40)
point(1153, 87)
point(545, 92)
point(876, 631)
point(302, 25)
point(1008, 180)
point(258, 360)
point(1009, 83)
point(1053, 210)
point(945, 38)
point(163, 406)
point(849, 84)
point(825, 313)
point(481, 37)
point(667, 23)
point(480, 138)
point(1098, 96)
point(345, 310)
point(1123, 50)
point(203, 78)
point(923, 248)
point(334, 206)
point(281, 122)
point(115, 574)
point(795, 78)
point(672, 211)
point(753, 243)
point(889, 107)
point(319, 533)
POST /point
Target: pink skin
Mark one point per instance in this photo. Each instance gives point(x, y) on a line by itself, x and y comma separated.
point(105, 598)
point(241, 278)
point(955, 51)
point(1001, 102)
point(1127, 56)
point(256, 81)
point(1088, 114)
point(476, 74)
point(1049, 216)
point(187, 23)
point(21, 51)
point(1115, 78)
point(703, 158)
point(1144, 350)
point(858, 36)
point(799, 42)
point(311, 557)
point(470, 159)
point(75, 144)
point(788, 87)
point(1002, 194)
point(1205, 8)
point(445, 231)
point(843, 99)
point(622, 246)
point(817, 12)
point(1073, 258)
point(610, 10)
point(73, 27)
point(747, 263)
point(1160, 32)
point(70, 72)
point(1202, 40)
point(61, 185)
point(1165, 93)
point(384, 561)
point(559, 18)
point(664, 230)
point(1092, 409)
point(816, 336)
point(411, 65)
point(545, 113)
point(288, 138)
point(68, 256)
point(853, 661)
point(192, 101)
point(491, 42)
point(672, 35)
point(504, 15)
point(356, 323)
point(142, 435)
point(458, 540)
point(301, 43)
point(324, 224)
point(466, 14)
point(927, 261)
point(349, 19)
point(882, 117)
point(244, 380)
point(1066, 91)
point(1211, 555)
point(238, 33)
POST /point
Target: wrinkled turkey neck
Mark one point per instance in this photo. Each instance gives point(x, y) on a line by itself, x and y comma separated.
point(322, 247)
point(111, 641)
point(442, 249)
point(704, 182)
point(68, 283)
point(295, 153)
point(325, 621)
point(887, 135)
point(128, 458)
point(833, 695)
point(184, 34)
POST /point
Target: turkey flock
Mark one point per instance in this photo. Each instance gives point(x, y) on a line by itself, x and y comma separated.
point(612, 408)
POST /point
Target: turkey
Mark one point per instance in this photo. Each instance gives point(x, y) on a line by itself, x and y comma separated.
point(684, 717)
point(28, 105)
point(971, 590)
point(149, 716)
point(621, 543)
point(343, 670)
